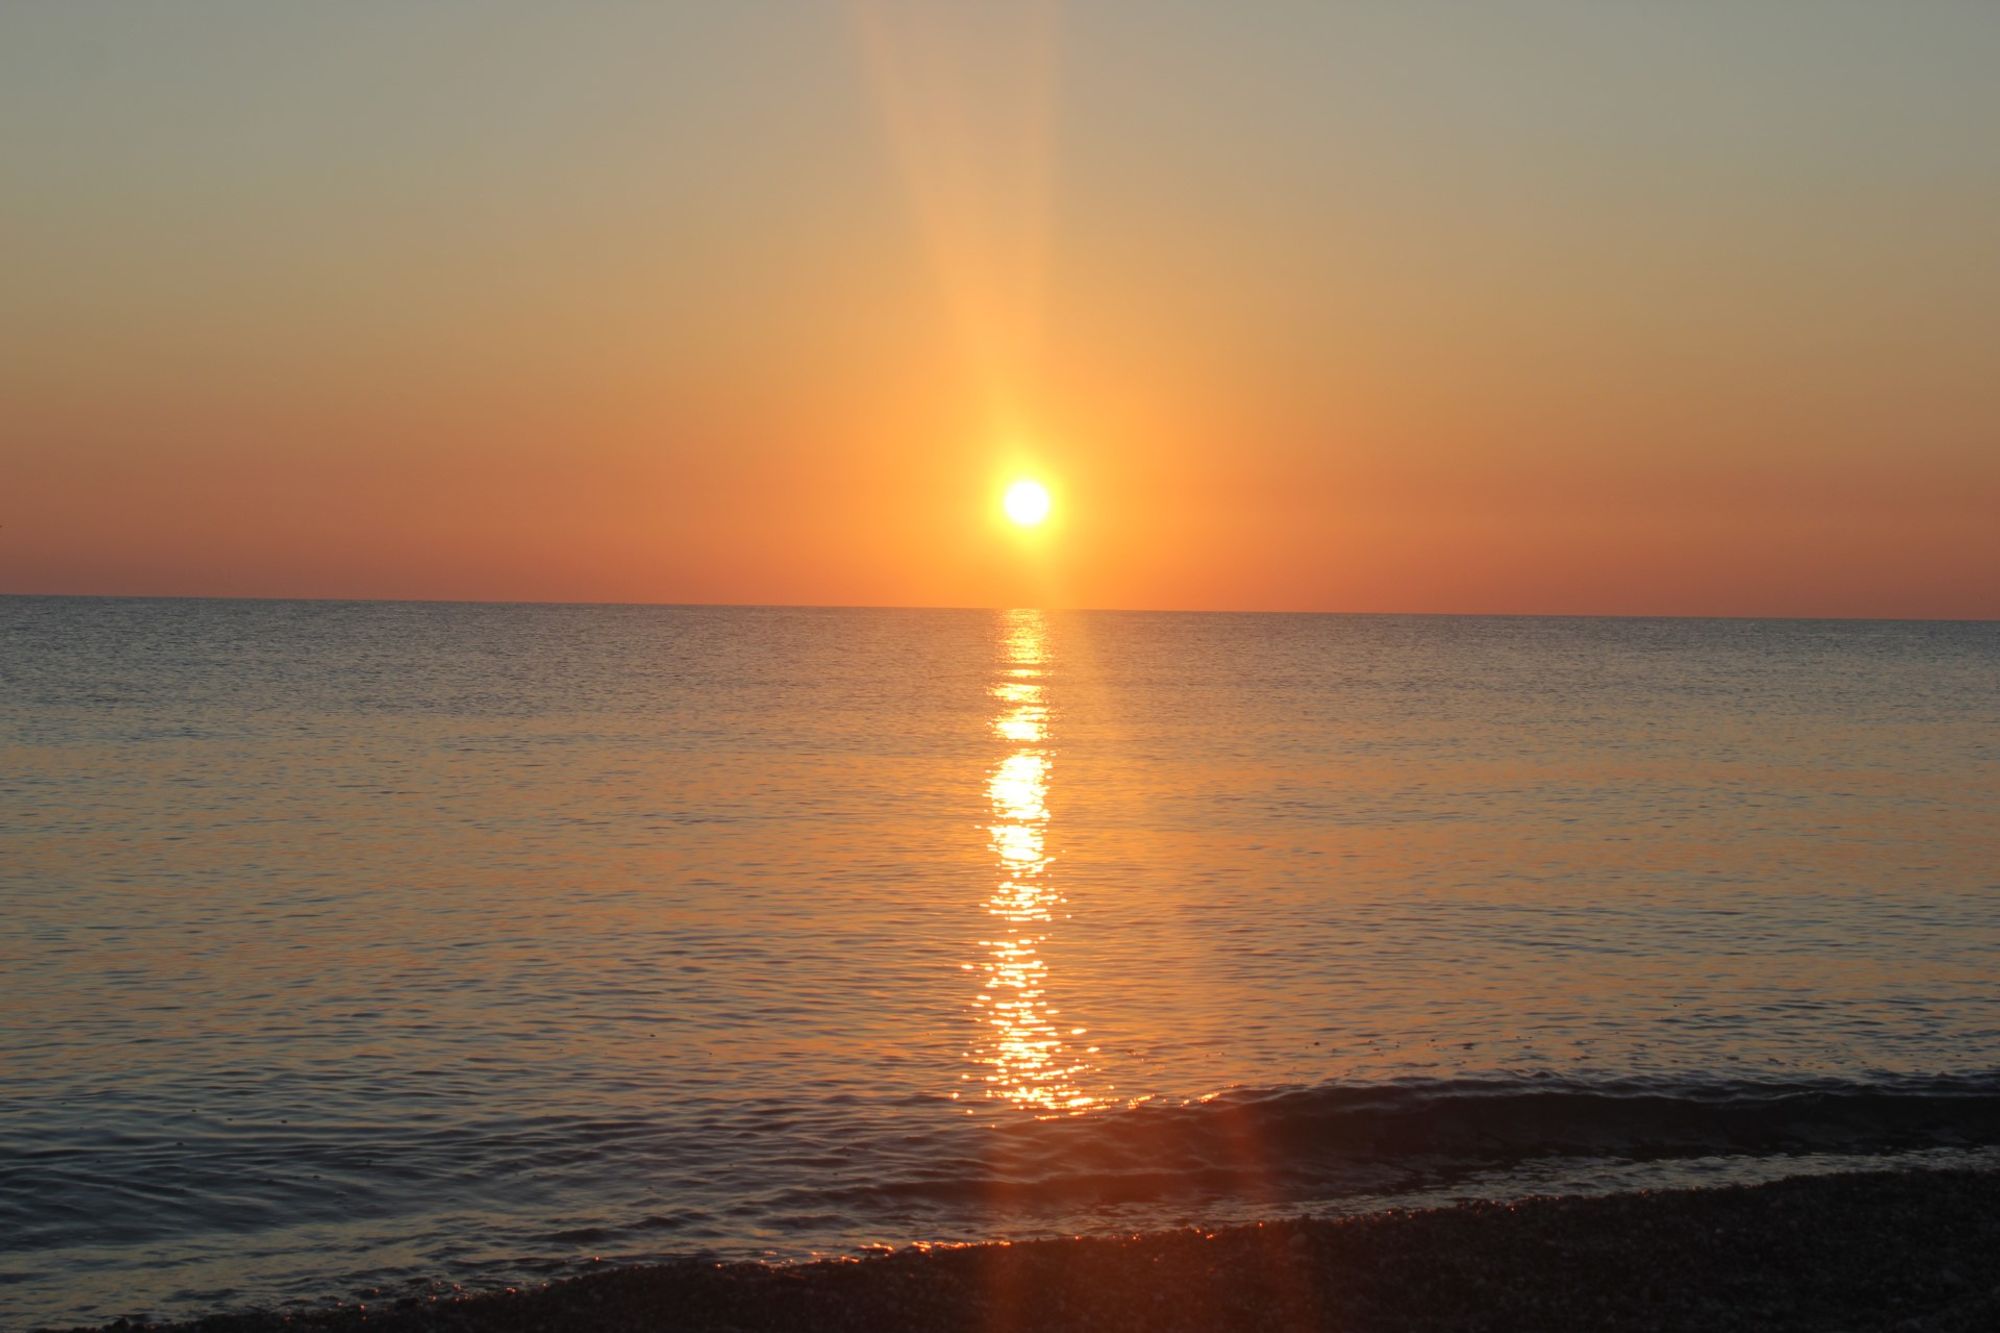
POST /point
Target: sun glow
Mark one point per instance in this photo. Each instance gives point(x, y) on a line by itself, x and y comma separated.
point(1027, 503)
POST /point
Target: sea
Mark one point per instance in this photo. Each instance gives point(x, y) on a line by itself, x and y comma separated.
point(351, 950)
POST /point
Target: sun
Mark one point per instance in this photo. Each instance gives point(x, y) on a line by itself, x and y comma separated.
point(1027, 503)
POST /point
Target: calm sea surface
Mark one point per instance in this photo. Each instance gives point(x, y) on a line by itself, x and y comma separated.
point(345, 946)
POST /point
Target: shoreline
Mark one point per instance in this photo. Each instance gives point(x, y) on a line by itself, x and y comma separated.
point(1891, 1250)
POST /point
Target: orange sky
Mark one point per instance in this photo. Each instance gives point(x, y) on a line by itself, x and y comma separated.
point(1523, 308)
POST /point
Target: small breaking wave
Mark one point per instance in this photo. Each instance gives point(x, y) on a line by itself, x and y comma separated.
point(1303, 1143)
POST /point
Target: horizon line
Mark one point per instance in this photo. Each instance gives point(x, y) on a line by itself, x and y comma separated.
point(960, 608)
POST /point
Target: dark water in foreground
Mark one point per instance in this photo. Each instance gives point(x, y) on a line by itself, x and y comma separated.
point(349, 945)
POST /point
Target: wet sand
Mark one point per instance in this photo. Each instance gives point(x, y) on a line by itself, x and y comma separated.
point(1918, 1250)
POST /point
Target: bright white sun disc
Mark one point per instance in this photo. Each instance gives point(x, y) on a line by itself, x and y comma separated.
point(1027, 503)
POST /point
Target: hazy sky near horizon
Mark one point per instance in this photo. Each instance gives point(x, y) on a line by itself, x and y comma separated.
point(1536, 307)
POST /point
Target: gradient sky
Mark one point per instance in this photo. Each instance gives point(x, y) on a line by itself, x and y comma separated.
point(1533, 307)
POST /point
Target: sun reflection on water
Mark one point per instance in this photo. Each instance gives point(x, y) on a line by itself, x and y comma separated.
point(1027, 1057)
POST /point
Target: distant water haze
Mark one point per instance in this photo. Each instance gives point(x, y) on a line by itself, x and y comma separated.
point(350, 944)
